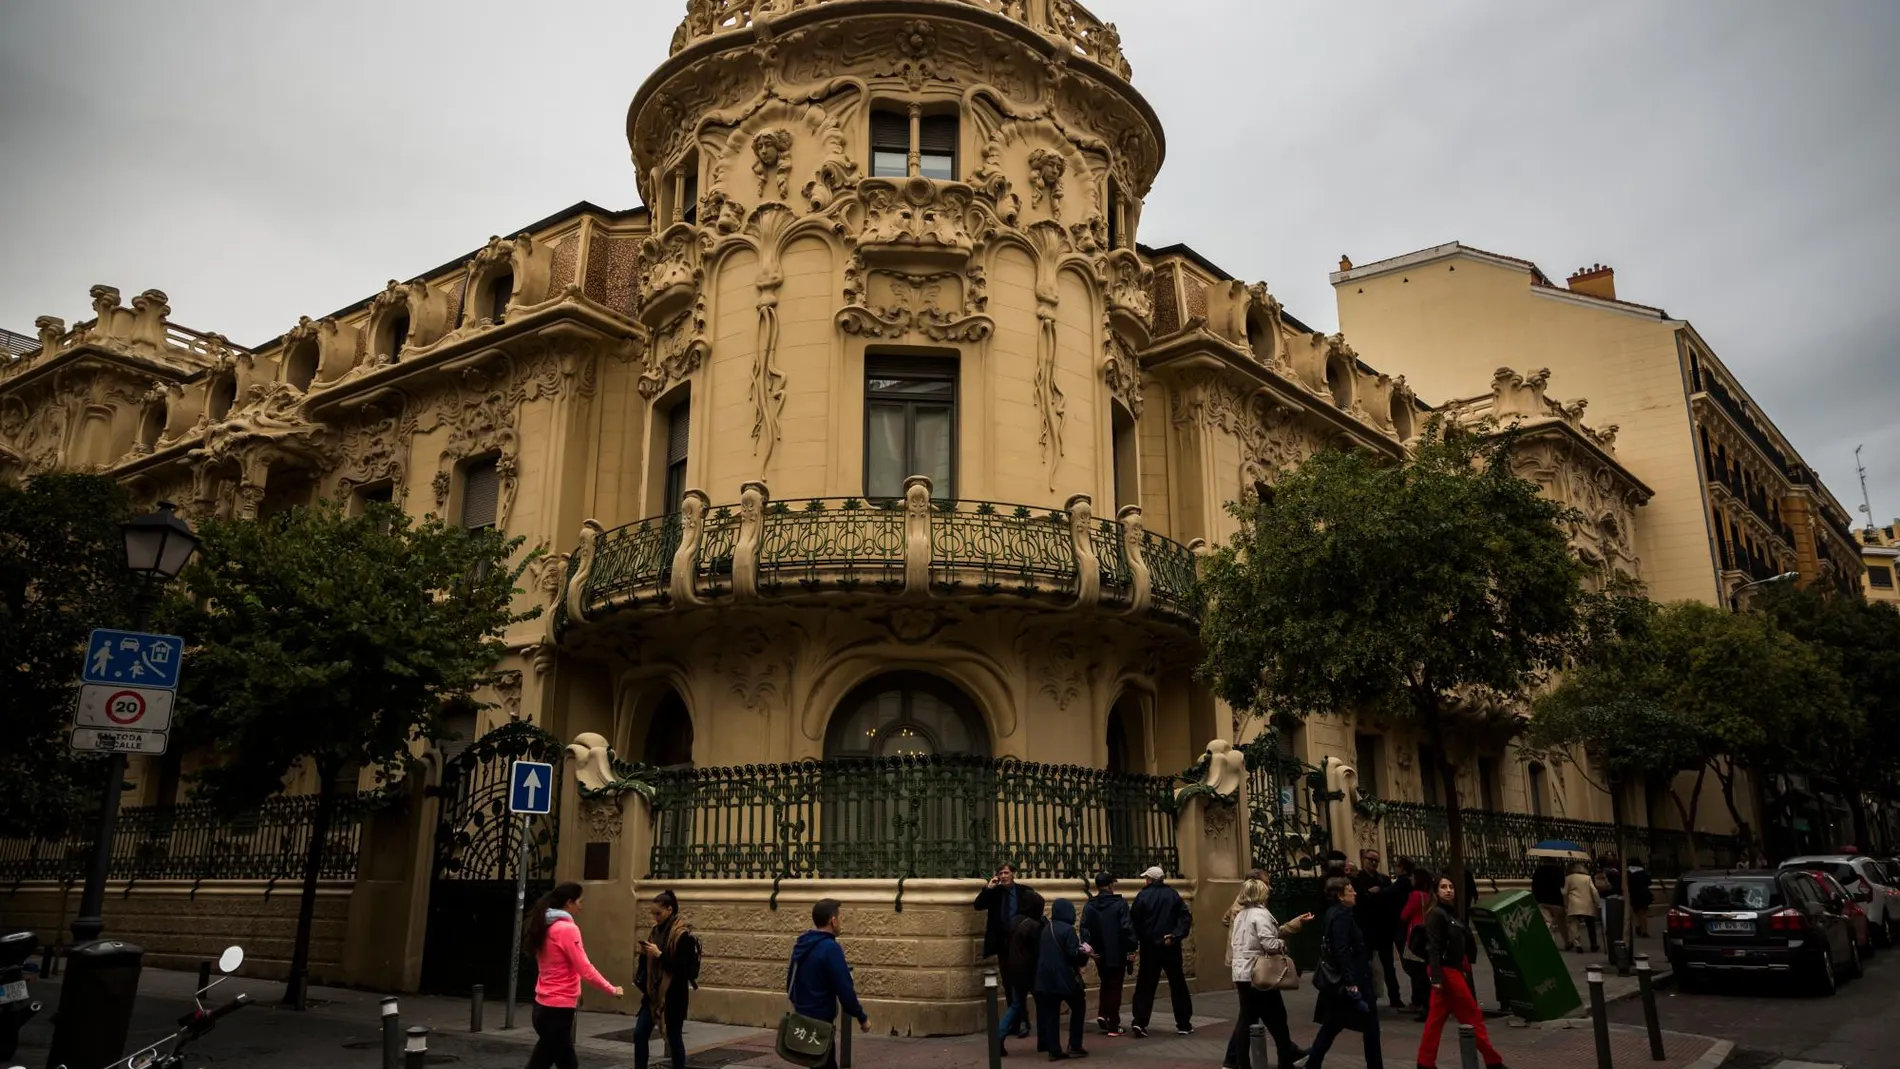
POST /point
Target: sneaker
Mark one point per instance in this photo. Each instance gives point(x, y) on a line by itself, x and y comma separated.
point(1140, 1031)
point(1115, 1033)
point(1058, 1056)
point(1102, 1023)
point(1184, 1030)
point(1078, 1052)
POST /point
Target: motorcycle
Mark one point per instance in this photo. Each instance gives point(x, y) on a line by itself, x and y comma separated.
point(16, 1007)
point(192, 1026)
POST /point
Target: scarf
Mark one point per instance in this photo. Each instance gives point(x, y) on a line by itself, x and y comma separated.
point(658, 983)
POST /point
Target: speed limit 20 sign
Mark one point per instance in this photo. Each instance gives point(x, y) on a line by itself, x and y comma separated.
point(119, 709)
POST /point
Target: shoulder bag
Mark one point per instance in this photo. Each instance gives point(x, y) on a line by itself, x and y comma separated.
point(803, 1040)
point(1326, 978)
point(1275, 972)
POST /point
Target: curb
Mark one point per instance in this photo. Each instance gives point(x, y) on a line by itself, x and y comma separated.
point(1714, 1056)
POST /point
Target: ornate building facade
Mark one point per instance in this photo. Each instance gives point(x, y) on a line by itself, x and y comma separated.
point(875, 433)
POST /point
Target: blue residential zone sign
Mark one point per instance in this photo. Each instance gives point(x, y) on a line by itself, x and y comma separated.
point(133, 658)
point(530, 787)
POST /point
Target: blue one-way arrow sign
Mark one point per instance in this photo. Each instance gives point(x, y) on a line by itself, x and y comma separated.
point(530, 787)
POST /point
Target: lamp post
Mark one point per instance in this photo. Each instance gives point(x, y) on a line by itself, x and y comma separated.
point(1735, 596)
point(156, 549)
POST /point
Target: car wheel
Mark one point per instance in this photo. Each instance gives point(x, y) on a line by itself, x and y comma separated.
point(1823, 981)
point(1886, 932)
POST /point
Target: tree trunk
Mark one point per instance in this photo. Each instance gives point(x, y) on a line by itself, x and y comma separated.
point(1727, 780)
point(307, 905)
point(1454, 818)
point(1688, 815)
point(1857, 802)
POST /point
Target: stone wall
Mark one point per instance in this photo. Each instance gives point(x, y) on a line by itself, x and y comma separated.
point(179, 925)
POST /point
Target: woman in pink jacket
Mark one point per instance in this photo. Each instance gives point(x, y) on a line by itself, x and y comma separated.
point(555, 941)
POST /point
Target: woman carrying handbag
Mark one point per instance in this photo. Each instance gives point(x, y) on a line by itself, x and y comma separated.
point(1261, 970)
point(1343, 980)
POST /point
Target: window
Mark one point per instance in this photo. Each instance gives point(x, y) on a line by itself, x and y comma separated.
point(906, 715)
point(1880, 575)
point(300, 364)
point(909, 424)
point(500, 289)
point(1534, 786)
point(689, 192)
point(223, 395)
point(679, 194)
point(678, 427)
point(669, 741)
point(1366, 761)
point(1127, 480)
point(1114, 216)
point(152, 426)
point(380, 493)
point(892, 145)
point(394, 335)
point(481, 494)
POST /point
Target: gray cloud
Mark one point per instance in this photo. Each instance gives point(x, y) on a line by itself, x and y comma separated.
point(1735, 160)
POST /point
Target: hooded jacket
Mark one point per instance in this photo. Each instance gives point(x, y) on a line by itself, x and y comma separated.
point(818, 979)
point(1024, 946)
point(563, 964)
point(1159, 913)
point(1108, 929)
point(1060, 955)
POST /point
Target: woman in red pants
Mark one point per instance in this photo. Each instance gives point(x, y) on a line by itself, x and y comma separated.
point(1448, 958)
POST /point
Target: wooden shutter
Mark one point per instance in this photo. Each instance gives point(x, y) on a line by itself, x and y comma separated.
point(937, 135)
point(890, 132)
point(481, 494)
point(678, 424)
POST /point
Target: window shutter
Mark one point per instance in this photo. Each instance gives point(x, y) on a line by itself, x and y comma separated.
point(481, 494)
point(678, 424)
point(937, 135)
point(890, 131)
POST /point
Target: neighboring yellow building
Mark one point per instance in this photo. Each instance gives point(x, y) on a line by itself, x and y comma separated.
point(1880, 556)
point(873, 457)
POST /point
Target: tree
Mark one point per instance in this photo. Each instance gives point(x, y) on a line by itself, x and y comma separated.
point(1859, 641)
point(1421, 591)
point(332, 642)
point(62, 573)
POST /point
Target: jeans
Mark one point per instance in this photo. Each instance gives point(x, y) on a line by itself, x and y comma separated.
point(1453, 998)
point(1018, 1013)
point(1268, 1008)
point(1108, 1002)
point(1157, 958)
point(554, 1042)
point(1049, 1020)
point(1580, 923)
point(1336, 1023)
point(675, 1036)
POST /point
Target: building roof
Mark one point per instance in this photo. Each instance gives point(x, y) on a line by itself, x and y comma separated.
point(1186, 252)
point(1459, 249)
point(14, 344)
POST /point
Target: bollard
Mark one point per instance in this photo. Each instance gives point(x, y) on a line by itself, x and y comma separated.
point(415, 1052)
point(844, 1042)
point(1620, 953)
point(475, 1008)
point(990, 1016)
point(1257, 1046)
point(1468, 1046)
point(1647, 981)
point(1599, 1014)
point(392, 1035)
point(204, 976)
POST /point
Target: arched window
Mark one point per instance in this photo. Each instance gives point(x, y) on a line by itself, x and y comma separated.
point(1340, 380)
point(906, 714)
point(500, 289)
point(300, 364)
point(669, 739)
point(152, 425)
point(223, 396)
point(1401, 413)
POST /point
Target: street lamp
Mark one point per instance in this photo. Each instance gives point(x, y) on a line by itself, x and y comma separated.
point(157, 546)
point(1735, 596)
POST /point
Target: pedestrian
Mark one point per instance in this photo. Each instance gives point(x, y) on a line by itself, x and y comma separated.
point(1000, 898)
point(818, 980)
point(1547, 888)
point(668, 967)
point(1019, 962)
point(1418, 906)
point(1580, 906)
point(1449, 948)
point(1610, 889)
point(1109, 931)
point(1058, 983)
point(554, 940)
point(1161, 923)
point(1343, 982)
point(1377, 917)
point(1255, 934)
point(1642, 896)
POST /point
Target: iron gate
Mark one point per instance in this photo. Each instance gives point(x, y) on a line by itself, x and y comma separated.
point(477, 842)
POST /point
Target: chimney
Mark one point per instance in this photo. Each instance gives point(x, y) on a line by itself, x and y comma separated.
point(1594, 281)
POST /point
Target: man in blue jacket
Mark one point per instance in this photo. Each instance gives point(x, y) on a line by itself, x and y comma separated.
point(818, 978)
point(1161, 922)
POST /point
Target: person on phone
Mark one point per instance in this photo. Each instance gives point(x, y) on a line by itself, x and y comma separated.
point(818, 979)
point(1002, 898)
point(1449, 948)
point(554, 940)
point(1161, 921)
point(1343, 983)
point(667, 967)
point(1110, 933)
point(1253, 934)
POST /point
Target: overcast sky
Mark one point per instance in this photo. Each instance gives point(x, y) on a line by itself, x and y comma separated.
point(1736, 161)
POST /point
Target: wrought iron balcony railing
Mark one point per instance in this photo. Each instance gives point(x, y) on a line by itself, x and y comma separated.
point(760, 548)
point(1495, 841)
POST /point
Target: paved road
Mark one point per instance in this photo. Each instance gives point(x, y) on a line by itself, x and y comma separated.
point(1856, 1028)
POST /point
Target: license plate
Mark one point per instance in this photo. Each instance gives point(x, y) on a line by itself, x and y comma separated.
point(13, 992)
point(1731, 926)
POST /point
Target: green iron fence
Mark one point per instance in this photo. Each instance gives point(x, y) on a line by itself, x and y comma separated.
point(846, 543)
point(1495, 842)
point(195, 842)
point(1283, 811)
point(890, 817)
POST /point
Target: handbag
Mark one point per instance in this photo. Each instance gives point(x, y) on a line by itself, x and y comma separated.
point(803, 1040)
point(1326, 978)
point(1275, 972)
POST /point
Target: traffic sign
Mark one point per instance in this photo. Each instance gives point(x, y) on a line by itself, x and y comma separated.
point(103, 741)
point(123, 708)
point(530, 787)
point(133, 658)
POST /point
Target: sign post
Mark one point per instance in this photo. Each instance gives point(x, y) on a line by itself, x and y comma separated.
point(530, 794)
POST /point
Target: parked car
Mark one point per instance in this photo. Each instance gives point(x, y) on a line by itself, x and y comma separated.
point(1752, 921)
point(1868, 882)
point(1833, 892)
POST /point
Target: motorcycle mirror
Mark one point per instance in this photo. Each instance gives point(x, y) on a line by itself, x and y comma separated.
point(229, 961)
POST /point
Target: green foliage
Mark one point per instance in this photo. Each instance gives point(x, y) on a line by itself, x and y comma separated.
point(62, 573)
point(330, 639)
point(1388, 587)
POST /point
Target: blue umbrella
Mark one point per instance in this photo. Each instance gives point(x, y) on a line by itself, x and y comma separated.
point(1562, 849)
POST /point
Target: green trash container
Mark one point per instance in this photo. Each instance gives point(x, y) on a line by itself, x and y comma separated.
point(1530, 970)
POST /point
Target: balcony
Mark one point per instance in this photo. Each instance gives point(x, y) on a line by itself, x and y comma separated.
point(916, 548)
